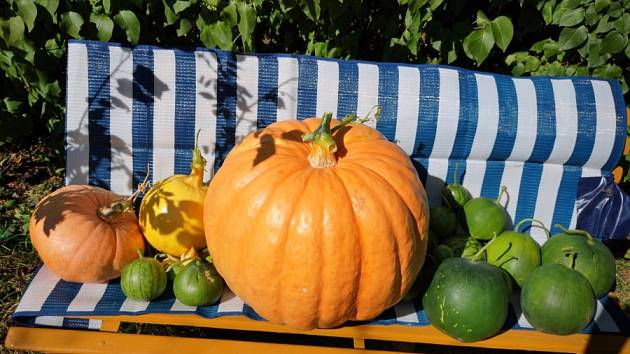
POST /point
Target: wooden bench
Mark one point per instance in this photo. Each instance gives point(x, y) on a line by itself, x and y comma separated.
point(131, 106)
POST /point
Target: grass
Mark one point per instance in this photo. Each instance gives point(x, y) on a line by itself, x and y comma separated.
point(29, 172)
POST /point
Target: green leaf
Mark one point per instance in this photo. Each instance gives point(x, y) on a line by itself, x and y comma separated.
point(247, 21)
point(482, 19)
point(184, 27)
point(608, 71)
point(572, 37)
point(11, 105)
point(570, 4)
point(128, 21)
point(590, 16)
point(622, 24)
point(547, 11)
point(557, 14)
point(602, 4)
point(206, 37)
point(614, 42)
point(169, 14)
point(604, 26)
point(434, 4)
point(627, 51)
point(107, 6)
point(71, 22)
point(414, 5)
point(503, 31)
point(50, 6)
point(477, 45)
point(104, 26)
point(572, 17)
point(12, 30)
point(28, 11)
point(615, 10)
point(311, 9)
point(595, 57)
point(220, 35)
point(54, 47)
point(180, 5)
point(229, 15)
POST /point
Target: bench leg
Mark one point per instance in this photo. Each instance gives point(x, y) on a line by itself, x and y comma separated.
point(110, 325)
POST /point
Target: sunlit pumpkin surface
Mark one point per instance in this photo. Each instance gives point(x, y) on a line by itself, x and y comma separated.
point(314, 247)
point(171, 215)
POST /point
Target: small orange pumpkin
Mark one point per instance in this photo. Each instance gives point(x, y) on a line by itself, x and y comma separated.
point(312, 234)
point(85, 234)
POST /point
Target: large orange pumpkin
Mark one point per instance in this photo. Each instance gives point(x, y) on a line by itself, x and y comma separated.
point(312, 234)
point(85, 233)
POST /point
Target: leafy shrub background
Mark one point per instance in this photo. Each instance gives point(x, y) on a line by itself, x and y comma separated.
point(526, 37)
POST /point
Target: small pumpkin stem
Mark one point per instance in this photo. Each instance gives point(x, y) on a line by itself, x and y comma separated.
point(532, 220)
point(570, 255)
point(198, 164)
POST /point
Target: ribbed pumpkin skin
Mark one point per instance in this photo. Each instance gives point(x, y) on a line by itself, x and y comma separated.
point(315, 247)
point(75, 243)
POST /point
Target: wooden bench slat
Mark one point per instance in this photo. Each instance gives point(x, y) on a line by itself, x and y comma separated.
point(512, 339)
point(58, 341)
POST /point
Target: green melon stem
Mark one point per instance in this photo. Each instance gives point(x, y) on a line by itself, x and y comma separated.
point(532, 220)
point(584, 233)
point(501, 192)
point(477, 255)
point(455, 179)
point(570, 255)
point(140, 253)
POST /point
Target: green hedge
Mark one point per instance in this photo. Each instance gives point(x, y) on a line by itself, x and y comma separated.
point(526, 37)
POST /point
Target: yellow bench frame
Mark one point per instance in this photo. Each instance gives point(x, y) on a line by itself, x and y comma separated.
point(108, 340)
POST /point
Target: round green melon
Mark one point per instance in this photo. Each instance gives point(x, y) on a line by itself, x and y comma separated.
point(578, 250)
point(485, 218)
point(467, 300)
point(557, 300)
point(515, 252)
point(198, 284)
point(455, 196)
point(143, 279)
point(443, 221)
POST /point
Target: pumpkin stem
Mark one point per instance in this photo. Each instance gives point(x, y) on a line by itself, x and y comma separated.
point(584, 233)
point(109, 213)
point(198, 164)
point(323, 146)
point(140, 253)
point(532, 220)
point(570, 255)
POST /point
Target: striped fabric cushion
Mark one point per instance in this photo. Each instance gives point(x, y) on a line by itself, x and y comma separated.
point(129, 108)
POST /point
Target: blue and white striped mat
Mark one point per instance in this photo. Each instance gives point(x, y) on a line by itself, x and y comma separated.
point(50, 301)
point(130, 107)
